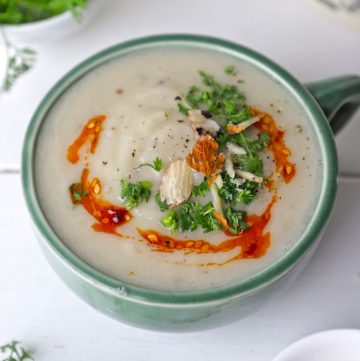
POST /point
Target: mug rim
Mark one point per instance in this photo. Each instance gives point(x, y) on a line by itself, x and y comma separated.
point(135, 293)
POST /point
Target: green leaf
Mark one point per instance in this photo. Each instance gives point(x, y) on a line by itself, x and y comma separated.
point(251, 145)
point(201, 189)
point(26, 11)
point(236, 220)
point(252, 164)
point(183, 109)
point(191, 215)
point(135, 193)
point(206, 218)
point(157, 164)
point(237, 190)
point(230, 69)
point(162, 205)
point(15, 352)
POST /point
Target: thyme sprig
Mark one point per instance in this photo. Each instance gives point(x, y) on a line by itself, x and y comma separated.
point(15, 352)
point(19, 61)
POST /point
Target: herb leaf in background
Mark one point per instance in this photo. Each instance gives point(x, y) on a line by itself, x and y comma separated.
point(19, 61)
point(15, 352)
point(135, 193)
point(26, 11)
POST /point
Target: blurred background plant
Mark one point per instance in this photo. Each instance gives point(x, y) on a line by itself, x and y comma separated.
point(19, 60)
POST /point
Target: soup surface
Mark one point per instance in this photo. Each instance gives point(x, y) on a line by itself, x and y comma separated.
point(116, 142)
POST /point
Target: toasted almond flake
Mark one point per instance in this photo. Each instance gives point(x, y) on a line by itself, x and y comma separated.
point(199, 121)
point(229, 166)
point(235, 149)
point(219, 181)
point(234, 129)
point(203, 157)
point(249, 176)
point(217, 202)
point(176, 184)
point(221, 218)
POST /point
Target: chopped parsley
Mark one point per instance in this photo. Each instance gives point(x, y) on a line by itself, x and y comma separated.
point(230, 69)
point(236, 220)
point(201, 189)
point(237, 190)
point(77, 193)
point(191, 215)
point(162, 205)
point(135, 193)
point(157, 164)
point(250, 144)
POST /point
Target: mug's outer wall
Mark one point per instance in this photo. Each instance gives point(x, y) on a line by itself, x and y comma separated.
point(169, 317)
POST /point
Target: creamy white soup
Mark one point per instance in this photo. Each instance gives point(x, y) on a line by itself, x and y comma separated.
point(170, 187)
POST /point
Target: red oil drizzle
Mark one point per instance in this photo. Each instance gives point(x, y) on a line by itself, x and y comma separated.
point(109, 216)
point(90, 132)
point(253, 242)
point(277, 145)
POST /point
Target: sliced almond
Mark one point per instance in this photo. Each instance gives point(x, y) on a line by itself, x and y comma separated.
point(235, 149)
point(234, 129)
point(229, 166)
point(217, 202)
point(249, 176)
point(199, 121)
point(204, 158)
point(176, 184)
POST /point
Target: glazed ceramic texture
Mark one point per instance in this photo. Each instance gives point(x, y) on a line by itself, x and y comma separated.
point(179, 311)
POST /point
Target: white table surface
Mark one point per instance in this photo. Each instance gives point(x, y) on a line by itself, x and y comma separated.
point(37, 308)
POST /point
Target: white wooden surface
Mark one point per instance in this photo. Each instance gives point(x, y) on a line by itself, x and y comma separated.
point(38, 309)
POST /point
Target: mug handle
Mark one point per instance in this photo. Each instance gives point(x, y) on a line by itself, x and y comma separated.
point(338, 97)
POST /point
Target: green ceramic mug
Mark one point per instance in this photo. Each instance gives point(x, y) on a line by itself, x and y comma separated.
point(338, 98)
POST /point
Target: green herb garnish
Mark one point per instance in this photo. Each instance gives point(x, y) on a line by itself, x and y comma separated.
point(191, 215)
point(15, 352)
point(162, 205)
point(77, 193)
point(157, 164)
point(200, 190)
point(230, 69)
point(135, 193)
point(237, 190)
point(236, 220)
